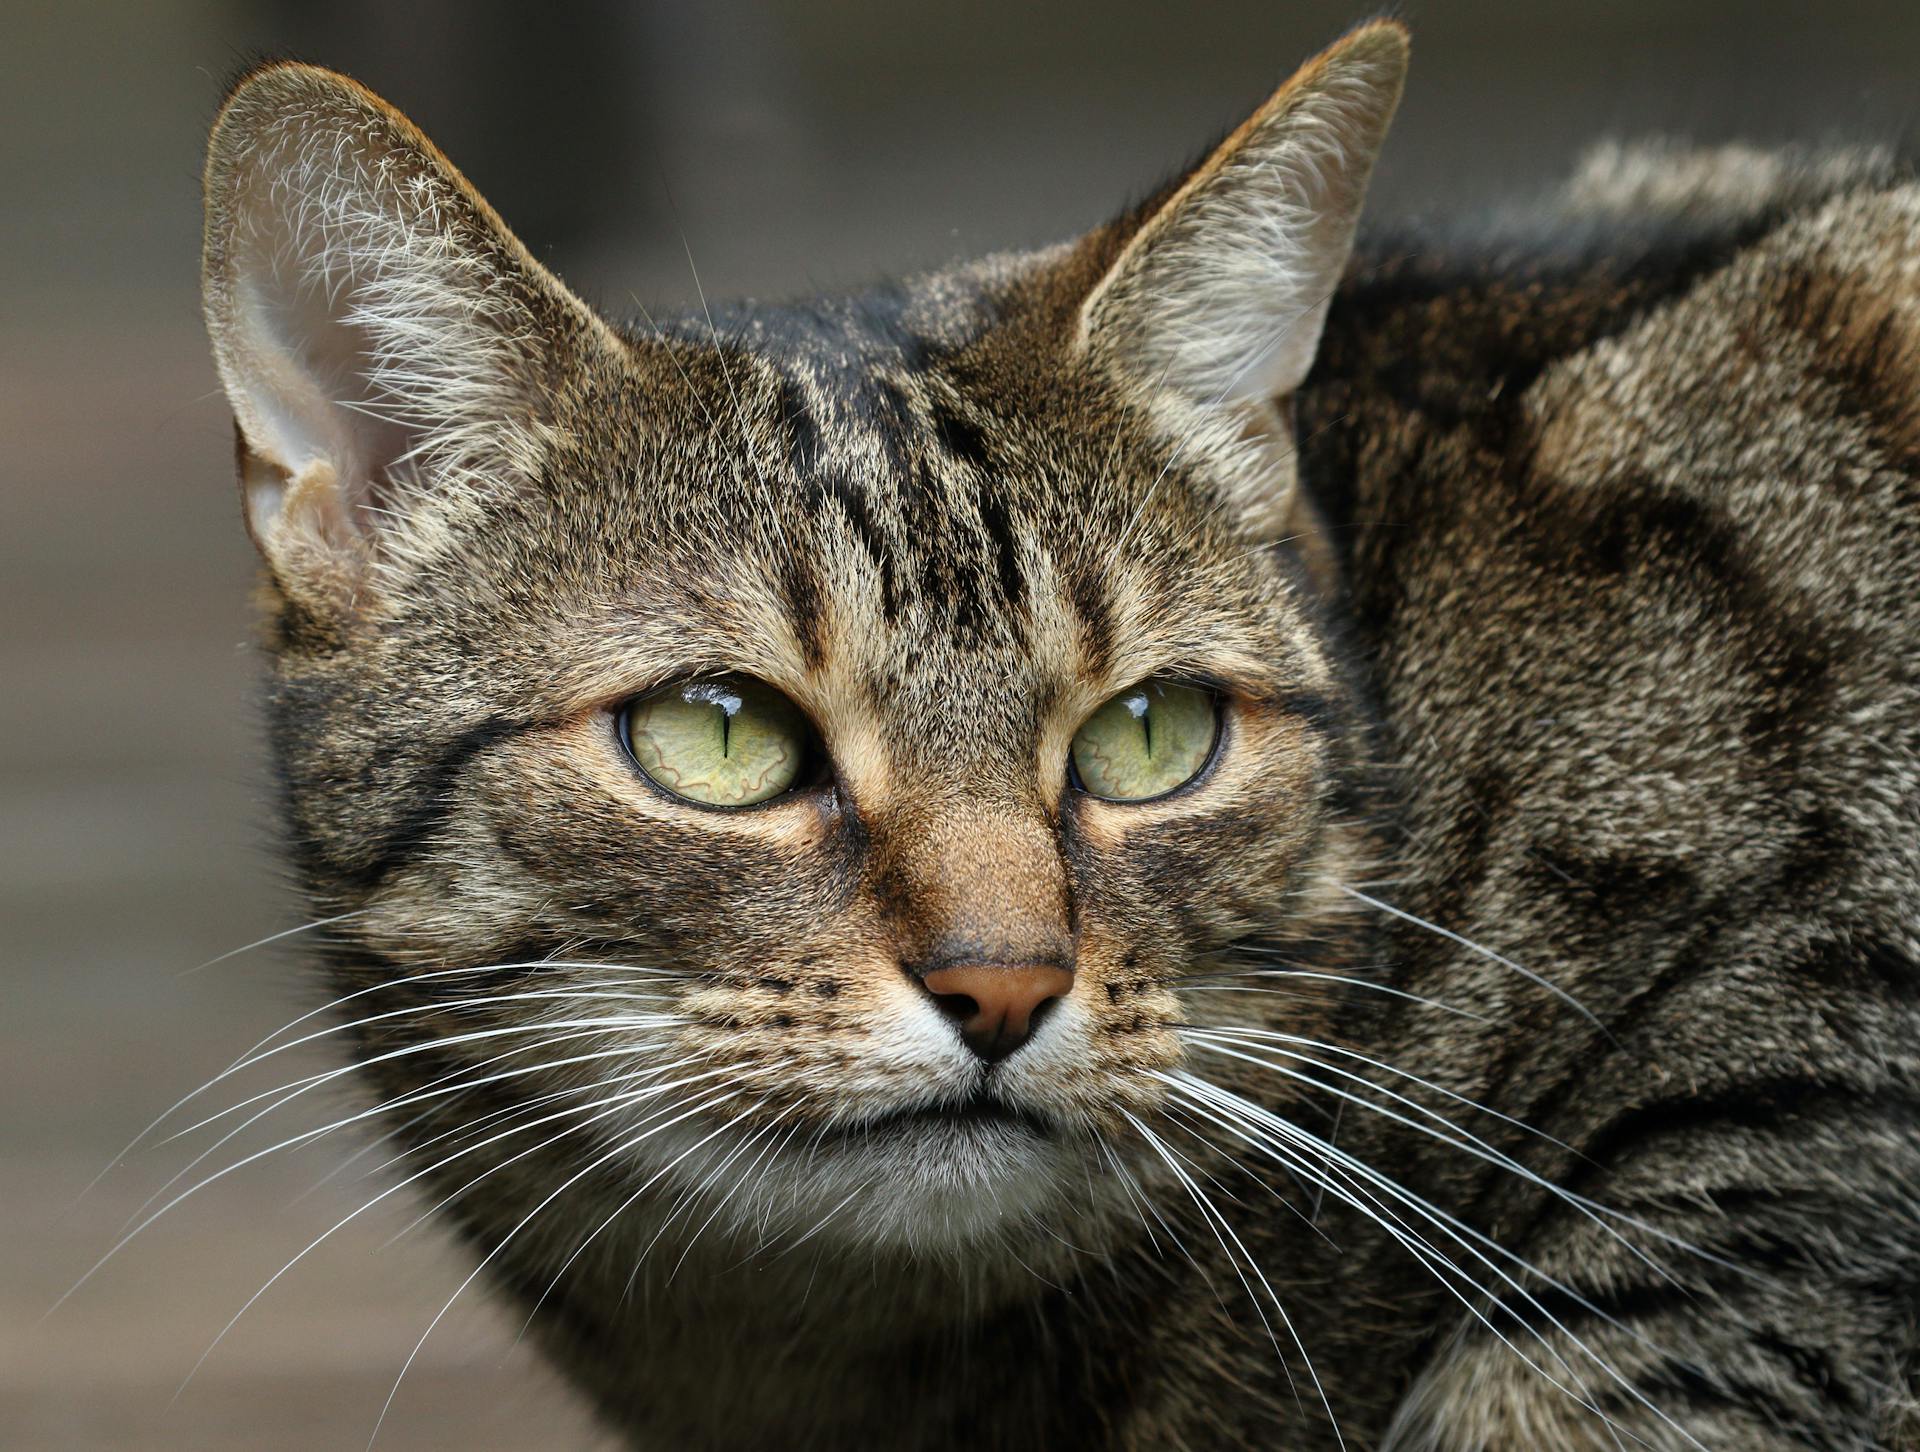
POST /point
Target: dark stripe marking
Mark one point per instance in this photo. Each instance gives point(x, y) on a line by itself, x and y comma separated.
point(803, 429)
point(999, 527)
point(962, 438)
point(431, 792)
point(1769, 1103)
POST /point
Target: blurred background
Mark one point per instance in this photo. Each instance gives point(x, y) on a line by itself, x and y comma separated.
point(788, 147)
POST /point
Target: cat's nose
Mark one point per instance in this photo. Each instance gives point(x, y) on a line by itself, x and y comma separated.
point(997, 1006)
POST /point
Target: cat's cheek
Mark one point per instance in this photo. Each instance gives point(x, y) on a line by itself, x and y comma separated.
point(436, 911)
point(1228, 855)
point(1191, 879)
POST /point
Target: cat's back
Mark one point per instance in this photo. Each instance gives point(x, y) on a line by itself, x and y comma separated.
point(1640, 529)
point(1696, 549)
point(1633, 527)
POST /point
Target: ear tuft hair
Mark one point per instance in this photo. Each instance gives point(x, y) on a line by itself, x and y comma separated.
point(1221, 293)
point(388, 347)
point(1213, 310)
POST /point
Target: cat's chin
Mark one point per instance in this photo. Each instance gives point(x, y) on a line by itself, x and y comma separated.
point(924, 1181)
point(941, 1181)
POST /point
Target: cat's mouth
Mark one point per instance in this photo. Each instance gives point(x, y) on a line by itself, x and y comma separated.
point(980, 1112)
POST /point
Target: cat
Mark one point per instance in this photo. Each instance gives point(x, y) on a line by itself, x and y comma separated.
point(1198, 839)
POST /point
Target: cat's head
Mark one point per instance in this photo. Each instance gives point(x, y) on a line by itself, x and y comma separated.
point(807, 746)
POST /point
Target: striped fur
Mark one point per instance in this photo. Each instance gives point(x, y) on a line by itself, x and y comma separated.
point(1567, 800)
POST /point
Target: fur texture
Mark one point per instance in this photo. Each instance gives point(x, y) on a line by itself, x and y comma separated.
point(1506, 1041)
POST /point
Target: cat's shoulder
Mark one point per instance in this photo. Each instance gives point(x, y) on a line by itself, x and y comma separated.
point(1819, 246)
point(1786, 354)
point(1671, 412)
point(1679, 309)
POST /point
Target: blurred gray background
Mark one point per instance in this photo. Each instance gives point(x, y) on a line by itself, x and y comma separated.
point(792, 146)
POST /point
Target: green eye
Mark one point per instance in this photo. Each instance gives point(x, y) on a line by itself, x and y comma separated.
point(722, 743)
point(1146, 741)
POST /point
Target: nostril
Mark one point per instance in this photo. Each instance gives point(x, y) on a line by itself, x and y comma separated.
point(1042, 1011)
point(957, 1006)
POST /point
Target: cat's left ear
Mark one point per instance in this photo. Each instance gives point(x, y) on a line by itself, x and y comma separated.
point(1217, 300)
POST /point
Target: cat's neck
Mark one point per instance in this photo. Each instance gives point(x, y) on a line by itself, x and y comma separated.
point(728, 1348)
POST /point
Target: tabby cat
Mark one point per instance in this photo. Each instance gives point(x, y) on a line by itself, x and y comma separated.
point(1190, 840)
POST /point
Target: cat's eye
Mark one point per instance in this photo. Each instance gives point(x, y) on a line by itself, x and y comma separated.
point(721, 742)
point(1146, 741)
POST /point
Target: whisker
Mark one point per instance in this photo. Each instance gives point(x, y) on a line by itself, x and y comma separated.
point(572, 1093)
point(821, 1223)
point(1137, 1195)
point(1369, 1205)
point(587, 1025)
point(1198, 982)
point(594, 1234)
point(595, 1114)
point(1505, 962)
point(411, 979)
point(1272, 1040)
point(1593, 1210)
point(234, 1168)
point(288, 1093)
point(285, 933)
point(685, 377)
point(1179, 1114)
point(622, 1148)
point(372, 1146)
point(1462, 1234)
point(237, 1065)
point(1223, 1232)
point(763, 1208)
point(721, 1204)
point(577, 994)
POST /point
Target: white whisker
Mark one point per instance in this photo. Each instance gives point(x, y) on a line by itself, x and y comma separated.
point(280, 936)
point(1505, 962)
point(1593, 1210)
point(1473, 1242)
point(301, 1138)
point(596, 1113)
point(1223, 1232)
point(623, 1147)
point(590, 1028)
point(1200, 982)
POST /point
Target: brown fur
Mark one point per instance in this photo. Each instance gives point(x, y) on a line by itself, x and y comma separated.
point(1619, 691)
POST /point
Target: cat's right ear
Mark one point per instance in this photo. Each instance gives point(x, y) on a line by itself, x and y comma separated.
point(390, 351)
point(1214, 305)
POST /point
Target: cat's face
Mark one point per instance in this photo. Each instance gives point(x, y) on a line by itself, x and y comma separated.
point(943, 636)
point(806, 751)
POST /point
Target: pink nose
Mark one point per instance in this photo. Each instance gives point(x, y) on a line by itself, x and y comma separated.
point(996, 1005)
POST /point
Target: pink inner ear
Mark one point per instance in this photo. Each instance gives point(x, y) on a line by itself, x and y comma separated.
point(299, 358)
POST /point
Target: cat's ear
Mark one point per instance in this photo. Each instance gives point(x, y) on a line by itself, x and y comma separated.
point(1218, 298)
point(390, 351)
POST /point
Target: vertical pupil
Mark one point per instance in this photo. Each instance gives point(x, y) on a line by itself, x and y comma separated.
point(726, 730)
point(1146, 728)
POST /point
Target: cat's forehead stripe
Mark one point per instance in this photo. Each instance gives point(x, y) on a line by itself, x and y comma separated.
point(922, 485)
point(902, 476)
